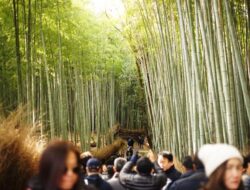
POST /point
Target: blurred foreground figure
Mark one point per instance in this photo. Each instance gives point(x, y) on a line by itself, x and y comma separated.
point(59, 168)
point(223, 167)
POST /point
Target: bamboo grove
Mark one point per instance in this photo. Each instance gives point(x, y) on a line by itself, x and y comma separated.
point(194, 58)
point(75, 77)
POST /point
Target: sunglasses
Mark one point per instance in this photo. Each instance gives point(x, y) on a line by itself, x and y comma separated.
point(75, 170)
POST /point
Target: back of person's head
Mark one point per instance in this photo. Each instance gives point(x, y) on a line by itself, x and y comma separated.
point(167, 155)
point(93, 165)
point(144, 166)
point(110, 170)
point(119, 163)
point(198, 163)
point(53, 163)
point(246, 161)
point(246, 164)
point(188, 163)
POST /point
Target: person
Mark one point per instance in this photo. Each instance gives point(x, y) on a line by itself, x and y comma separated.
point(143, 179)
point(140, 141)
point(130, 142)
point(165, 164)
point(84, 157)
point(223, 167)
point(194, 181)
point(246, 175)
point(129, 151)
point(93, 175)
point(59, 168)
point(115, 181)
point(188, 167)
point(108, 173)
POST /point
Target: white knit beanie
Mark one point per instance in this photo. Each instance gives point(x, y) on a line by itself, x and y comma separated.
point(213, 155)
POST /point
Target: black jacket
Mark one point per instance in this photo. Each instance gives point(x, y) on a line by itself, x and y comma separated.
point(247, 183)
point(172, 173)
point(140, 182)
point(97, 182)
point(115, 182)
point(192, 182)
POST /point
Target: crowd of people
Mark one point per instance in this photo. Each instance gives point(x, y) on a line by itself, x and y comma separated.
point(214, 167)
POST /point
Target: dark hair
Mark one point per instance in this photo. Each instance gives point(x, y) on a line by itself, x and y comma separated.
point(188, 162)
point(52, 164)
point(216, 180)
point(246, 161)
point(197, 162)
point(110, 171)
point(144, 165)
point(167, 155)
point(119, 163)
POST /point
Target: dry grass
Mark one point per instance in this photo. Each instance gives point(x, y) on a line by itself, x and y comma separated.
point(107, 151)
point(18, 153)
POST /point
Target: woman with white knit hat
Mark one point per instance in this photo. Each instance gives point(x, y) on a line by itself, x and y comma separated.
point(223, 167)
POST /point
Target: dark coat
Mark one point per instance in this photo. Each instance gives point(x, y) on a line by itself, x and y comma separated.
point(97, 182)
point(172, 173)
point(187, 174)
point(247, 183)
point(192, 182)
point(115, 183)
point(140, 182)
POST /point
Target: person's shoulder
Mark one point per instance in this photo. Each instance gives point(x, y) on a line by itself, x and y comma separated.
point(113, 180)
point(106, 185)
point(178, 173)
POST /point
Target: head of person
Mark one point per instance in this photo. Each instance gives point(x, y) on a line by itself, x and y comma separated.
point(110, 170)
point(93, 166)
point(223, 166)
point(130, 142)
point(59, 167)
point(144, 166)
point(165, 160)
point(246, 164)
point(198, 165)
point(119, 163)
point(188, 163)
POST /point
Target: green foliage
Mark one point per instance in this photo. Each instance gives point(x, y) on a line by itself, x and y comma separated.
point(80, 68)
